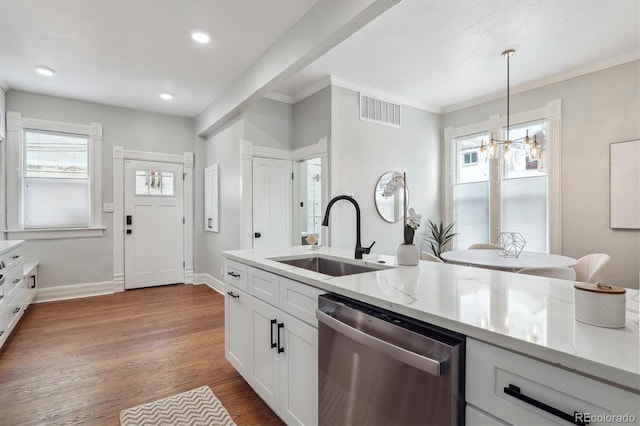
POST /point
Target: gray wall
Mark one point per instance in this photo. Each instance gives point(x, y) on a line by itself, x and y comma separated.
point(89, 260)
point(222, 148)
point(269, 123)
point(597, 109)
point(361, 151)
point(312, 118)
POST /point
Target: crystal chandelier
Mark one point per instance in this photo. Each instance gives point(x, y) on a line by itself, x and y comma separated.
point(491, 150)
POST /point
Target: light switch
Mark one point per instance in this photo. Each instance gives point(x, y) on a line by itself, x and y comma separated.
point(107, 207)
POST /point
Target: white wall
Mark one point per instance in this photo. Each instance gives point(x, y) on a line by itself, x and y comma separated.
point(361, 151)
point(597, 109)
point(89, 260)
point(269, 123)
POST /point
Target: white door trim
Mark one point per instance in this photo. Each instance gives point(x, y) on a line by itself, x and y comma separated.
point(119, 156)
point(247, 151)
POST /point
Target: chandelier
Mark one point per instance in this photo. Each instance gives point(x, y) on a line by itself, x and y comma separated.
point(532, 148)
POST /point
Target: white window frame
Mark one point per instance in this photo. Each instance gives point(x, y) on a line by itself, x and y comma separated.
point(552, 112)
point(16, 126)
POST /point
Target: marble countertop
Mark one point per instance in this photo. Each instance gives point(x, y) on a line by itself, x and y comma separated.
point(524, 313)
point(6, 245)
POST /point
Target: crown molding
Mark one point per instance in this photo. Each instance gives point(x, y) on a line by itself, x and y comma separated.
point(313, 88)
point(279, 97)
point(556, 78)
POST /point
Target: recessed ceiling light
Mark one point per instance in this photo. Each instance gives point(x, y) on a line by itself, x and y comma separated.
point(45, 70)
point(201, 36)
point(166, 96)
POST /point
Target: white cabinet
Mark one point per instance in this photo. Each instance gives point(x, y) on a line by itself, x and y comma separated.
point(236, 318)
point(211, 212)
point(520, 390)
point(271, 338)
point(12, 291)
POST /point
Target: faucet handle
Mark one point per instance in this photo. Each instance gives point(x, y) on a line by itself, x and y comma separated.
point(367, 250)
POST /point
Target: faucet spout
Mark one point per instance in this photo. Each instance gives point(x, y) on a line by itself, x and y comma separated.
point(325, 222)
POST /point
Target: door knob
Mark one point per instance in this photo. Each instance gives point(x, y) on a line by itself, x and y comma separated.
point(129, 219)
point(257, 235)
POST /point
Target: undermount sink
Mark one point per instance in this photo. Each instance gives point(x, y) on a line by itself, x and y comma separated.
point(331, 266)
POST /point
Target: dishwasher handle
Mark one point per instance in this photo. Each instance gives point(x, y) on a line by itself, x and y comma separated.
point(413, 359)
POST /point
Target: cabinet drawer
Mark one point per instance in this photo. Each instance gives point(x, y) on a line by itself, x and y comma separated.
point(12, 281)
point(235, 274)
point(523, 391)
point(264, 285)
point(475, 417)
point(13, 312)
point(299, 300)
point(10, 258)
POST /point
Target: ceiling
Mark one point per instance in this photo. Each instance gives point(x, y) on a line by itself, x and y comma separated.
point(125, 52)
point(435, 54)
point(440, 54)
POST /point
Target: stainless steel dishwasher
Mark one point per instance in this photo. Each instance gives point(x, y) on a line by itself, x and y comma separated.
point(380, 368)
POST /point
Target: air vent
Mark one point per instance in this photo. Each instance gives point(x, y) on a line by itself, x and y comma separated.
point(379, 111)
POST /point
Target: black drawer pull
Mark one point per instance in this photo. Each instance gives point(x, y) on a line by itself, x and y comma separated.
point(16, 281)
point(233, 274)
point(1, 296)
point(16, 310)
point(273, 344)
point(1, 333)
point(514, 391)
point(280, 347)
point(235, 296)
point(17, 256)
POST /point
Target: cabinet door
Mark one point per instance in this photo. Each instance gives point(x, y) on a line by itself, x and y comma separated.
point(265, 367)
point(236, 327)
point(211, 199)
point(299, 375)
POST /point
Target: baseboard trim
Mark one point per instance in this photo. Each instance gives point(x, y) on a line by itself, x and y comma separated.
point(74, 291)
point(210, 281)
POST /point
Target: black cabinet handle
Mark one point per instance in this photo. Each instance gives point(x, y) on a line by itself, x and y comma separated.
point(514, 391)
point(16, 310)
point(1, 333)
point(17, 256)
point(16, 281)
point(235, 296)
point(233, 274)
point(209, 222)
point(1, 296)
point(33, 281)
point(273, 344)
point(280, 348)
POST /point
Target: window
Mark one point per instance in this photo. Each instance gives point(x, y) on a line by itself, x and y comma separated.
point(486, 197)
point(56, 180)
point(57, 192)
point(154, 183)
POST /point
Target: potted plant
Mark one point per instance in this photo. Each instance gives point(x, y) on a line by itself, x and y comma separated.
point(439, 237)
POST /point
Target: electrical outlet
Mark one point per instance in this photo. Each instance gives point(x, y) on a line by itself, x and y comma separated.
point(107, 207)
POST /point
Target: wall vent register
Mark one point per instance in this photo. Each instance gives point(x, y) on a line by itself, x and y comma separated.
point(379, 111)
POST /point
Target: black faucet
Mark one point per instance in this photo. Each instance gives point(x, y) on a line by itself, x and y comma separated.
point(325, 222)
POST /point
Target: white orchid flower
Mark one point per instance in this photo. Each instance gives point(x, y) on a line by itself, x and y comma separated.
point(413, 219)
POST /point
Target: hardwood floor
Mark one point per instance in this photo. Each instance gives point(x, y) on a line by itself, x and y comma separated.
point(83, 361)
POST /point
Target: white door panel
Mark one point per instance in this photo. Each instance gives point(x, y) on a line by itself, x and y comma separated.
point(154, 239)
point(272, 203)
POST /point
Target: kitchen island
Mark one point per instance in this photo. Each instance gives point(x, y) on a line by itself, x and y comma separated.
point(529, 316)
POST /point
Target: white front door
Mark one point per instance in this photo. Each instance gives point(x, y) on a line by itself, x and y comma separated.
point(272, 203)
point(153, 224)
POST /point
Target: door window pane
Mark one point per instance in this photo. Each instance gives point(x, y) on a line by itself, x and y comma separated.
point(153, 182)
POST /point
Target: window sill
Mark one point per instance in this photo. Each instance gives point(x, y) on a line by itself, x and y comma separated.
point(54, 233)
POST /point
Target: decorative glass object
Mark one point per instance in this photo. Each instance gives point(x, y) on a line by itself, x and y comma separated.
point(512, 244)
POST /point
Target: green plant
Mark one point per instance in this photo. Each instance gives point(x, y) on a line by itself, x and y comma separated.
point(439, 236)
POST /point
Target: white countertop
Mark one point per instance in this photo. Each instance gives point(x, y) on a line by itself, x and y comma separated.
point(527, 259)
point(6, 245)
point(524, 313)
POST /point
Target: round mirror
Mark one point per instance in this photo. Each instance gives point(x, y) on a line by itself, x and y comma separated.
point(389, 196)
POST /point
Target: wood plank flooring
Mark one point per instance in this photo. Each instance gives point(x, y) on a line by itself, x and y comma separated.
point(83, 361)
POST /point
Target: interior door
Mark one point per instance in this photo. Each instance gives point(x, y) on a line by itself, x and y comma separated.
point(272, 203)
point(153, 224)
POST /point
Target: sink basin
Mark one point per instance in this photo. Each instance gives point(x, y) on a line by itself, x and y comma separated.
point(331, 266)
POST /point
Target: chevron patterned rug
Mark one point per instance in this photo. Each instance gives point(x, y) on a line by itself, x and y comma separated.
point(197, 407)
